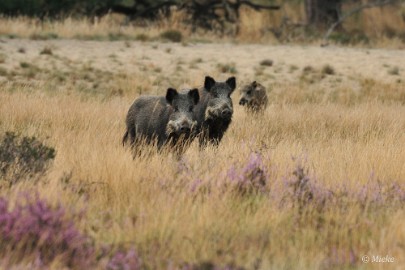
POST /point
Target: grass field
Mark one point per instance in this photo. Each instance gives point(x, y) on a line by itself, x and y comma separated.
point(316, 182)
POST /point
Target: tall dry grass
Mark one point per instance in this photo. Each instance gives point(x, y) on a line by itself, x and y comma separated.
point(149, 203)
point(377, 21)
point(71, 28)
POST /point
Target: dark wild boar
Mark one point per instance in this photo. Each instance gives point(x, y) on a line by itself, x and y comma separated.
point(254, 97)
point(215, 109)
point(162, 119)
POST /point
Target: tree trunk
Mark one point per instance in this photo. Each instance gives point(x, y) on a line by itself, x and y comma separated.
point(322, 12)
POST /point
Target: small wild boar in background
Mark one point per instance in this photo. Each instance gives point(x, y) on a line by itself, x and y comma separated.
point(254, 97)
point(162, 119)
point(215, 109)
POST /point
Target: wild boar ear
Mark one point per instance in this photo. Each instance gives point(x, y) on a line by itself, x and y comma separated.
point(170, 95)
point(209, 83)
point(194, 95)
point(254, 84)
point(231, 82)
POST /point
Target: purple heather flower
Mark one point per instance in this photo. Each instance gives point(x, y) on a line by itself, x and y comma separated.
point(252, 177)
point(124, 261)
point(195, 185)
point(35, 226)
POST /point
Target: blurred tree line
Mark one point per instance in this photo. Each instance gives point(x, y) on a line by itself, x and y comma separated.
point(132, 8)
point(53, 8)
point(203, 13)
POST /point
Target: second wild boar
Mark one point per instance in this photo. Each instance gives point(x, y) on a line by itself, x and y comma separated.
point(162, 119)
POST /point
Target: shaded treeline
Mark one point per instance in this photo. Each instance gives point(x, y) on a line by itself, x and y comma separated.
point(134, 9)
point(287, 20)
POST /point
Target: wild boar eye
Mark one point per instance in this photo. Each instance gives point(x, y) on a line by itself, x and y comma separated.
point(190, 109)
point(249, 92)
point(176, 109)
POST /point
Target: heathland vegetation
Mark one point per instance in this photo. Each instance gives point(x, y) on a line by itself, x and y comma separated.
point(315, 181)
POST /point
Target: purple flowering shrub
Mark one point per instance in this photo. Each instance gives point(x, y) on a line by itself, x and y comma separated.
point(301, 191)
point(35, 264)
point(251, 178)
point(33, 226)
point(122, 260)
point(34, 230)
point(375, 193)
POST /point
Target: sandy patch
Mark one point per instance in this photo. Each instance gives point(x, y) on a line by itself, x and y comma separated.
point(197, 60)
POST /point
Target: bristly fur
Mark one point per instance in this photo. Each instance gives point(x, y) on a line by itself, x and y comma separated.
point(162, 119)
point(215, 100)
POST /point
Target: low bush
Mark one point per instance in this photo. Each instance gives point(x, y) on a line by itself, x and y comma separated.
point(22, 158)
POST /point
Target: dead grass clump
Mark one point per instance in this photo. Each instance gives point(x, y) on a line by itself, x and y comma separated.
point(25, 65)
point(393, 71)
point(292, 68)
point(46, 50)
point(115, 36)
point(142, 37)
point(3, 72)
point(266, 62)
point(308, 69)
point(127, 44)
point(328, 70)
point(43, 36)
point(172, 35)
point(2, 58)
point(227, 68)
point(310, 76)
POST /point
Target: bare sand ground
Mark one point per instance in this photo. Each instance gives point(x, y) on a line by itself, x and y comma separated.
point(193, 61)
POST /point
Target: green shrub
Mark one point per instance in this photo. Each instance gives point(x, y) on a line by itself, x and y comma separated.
point(172, 35)
point(3, 71)
point(43, 36)
point(22, 158)
point(2, 58)
point(142, 37)
point(24, 65)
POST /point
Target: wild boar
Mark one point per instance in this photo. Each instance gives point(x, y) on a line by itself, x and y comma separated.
point(254, 97)
point(162, 119)
point(215, 109)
